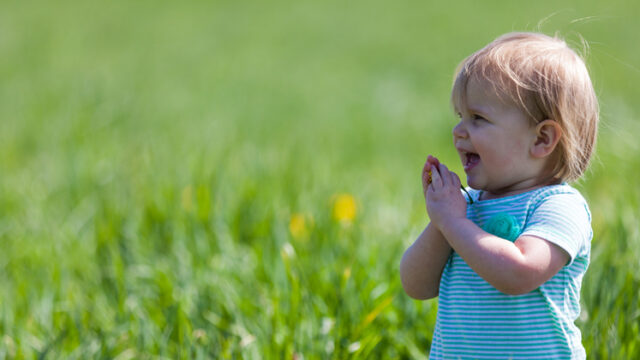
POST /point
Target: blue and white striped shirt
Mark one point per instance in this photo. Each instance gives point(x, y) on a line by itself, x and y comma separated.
point(476, 321)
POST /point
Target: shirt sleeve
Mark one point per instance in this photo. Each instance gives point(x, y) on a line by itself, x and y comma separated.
point(564, 220)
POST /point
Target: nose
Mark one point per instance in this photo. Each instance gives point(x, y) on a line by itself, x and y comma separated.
point(459, 131)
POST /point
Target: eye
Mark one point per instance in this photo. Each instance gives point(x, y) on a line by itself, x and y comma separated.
point(477, 118)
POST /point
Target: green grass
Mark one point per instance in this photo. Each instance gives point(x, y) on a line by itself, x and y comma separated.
point(152, 155)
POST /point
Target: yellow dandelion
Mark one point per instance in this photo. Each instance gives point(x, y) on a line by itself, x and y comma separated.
point(344, 208)
point(297, 225)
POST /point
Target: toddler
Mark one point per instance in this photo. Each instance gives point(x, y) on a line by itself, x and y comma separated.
point(506, 258)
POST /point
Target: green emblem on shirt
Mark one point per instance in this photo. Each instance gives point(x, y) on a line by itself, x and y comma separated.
point(504, 226)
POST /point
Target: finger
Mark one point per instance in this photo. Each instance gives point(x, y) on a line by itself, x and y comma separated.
point(433, 160)
point(425, 183)
point(436, 179)
point(426, 174)
point(427, 166)
point(456, 180)
point(445, 174)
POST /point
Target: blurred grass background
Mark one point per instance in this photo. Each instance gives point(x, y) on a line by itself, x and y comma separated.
point(239, 179)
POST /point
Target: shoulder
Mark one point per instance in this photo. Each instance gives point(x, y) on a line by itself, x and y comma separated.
point(560, 215)
point(563, 188)
point(562, 197)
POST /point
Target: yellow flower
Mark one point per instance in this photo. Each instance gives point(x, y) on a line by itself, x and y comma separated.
point(344, 208)
point(297, 225)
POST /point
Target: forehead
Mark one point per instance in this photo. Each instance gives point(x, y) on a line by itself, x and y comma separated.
point(479, 94)
point(496, 90)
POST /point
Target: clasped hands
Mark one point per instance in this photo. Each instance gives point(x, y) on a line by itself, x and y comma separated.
point(441, 188)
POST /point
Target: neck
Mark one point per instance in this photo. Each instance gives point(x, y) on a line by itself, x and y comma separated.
point(518, 189)
point(488, 194)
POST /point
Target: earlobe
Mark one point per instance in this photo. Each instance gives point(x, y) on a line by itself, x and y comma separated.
point(548, 134)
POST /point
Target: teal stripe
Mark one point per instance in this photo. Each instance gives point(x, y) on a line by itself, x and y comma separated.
point(508, 314)
point(501, 328)
point(515, 354)
point(536, 337)
point(499, 351)
point(500, 307)
point(515, 348)
point(524, 320)
point(466, 291)
point(501, 356)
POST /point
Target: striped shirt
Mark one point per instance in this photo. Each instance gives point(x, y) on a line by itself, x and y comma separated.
point(476, 321)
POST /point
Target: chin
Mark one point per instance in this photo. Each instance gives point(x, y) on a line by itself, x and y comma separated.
point(472, 183)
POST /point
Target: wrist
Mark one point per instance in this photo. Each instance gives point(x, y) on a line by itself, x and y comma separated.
point(446, 226)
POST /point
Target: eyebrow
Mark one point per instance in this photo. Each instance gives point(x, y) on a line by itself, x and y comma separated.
point(476, 110)
point(482, 109)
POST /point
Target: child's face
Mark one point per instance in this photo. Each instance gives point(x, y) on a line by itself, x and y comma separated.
point(494, 138)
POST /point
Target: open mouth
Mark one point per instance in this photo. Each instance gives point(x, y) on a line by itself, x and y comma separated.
point(471, 160)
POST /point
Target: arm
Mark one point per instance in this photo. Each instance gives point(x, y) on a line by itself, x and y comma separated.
point(512, 268)
point(422, 264)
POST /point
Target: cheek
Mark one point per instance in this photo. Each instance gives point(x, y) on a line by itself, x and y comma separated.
point(499, 154)
point(501, 144)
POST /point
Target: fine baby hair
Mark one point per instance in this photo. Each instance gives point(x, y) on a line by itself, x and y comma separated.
point(547, 80)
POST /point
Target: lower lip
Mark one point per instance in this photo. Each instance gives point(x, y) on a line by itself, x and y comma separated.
point(469, 167)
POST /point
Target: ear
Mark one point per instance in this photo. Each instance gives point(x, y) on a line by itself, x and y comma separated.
point(548, 134)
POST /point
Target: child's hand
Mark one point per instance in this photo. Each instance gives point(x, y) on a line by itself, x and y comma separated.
point(445, 203)
point(426, 173)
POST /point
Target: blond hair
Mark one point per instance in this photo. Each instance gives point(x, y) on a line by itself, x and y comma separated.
point(547, 80)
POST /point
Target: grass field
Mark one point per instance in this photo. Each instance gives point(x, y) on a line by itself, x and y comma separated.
point(239, 179)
